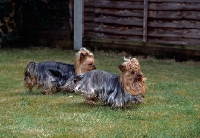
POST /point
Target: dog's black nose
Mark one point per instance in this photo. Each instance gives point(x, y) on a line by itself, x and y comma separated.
point(139, 77)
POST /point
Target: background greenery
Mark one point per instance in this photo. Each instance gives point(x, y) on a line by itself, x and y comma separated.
point(171, 107)
point(18, 17)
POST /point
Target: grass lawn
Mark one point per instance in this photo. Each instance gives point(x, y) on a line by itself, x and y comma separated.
point(171, 107)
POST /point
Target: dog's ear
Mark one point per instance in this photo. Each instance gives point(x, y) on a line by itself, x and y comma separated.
point(122, 68)
point(83, 57)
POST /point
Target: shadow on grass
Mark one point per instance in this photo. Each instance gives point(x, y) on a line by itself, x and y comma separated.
point(38, 92)
point(100, 106)
point(72, 102)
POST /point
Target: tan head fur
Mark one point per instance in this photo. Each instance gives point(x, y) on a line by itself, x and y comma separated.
point(131, 77)
point(84, 61)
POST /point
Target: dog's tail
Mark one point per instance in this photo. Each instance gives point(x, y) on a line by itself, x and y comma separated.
point(30, 70)
point(78, 78)
point(30, 75)
point(61, 81)
point(57, 75)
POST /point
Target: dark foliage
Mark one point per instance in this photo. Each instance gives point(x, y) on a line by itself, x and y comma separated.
point(12, 13)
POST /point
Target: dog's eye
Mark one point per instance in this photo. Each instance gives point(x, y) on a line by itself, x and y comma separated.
point(132, 72)
point(90, 64)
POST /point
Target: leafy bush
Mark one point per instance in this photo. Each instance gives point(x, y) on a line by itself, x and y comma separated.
point(9, 11)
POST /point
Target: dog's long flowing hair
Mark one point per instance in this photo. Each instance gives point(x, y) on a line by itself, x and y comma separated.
point(111, 89)
point(45, 74)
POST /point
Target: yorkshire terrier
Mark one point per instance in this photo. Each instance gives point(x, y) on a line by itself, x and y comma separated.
point(45, 74)
point(113, 90)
